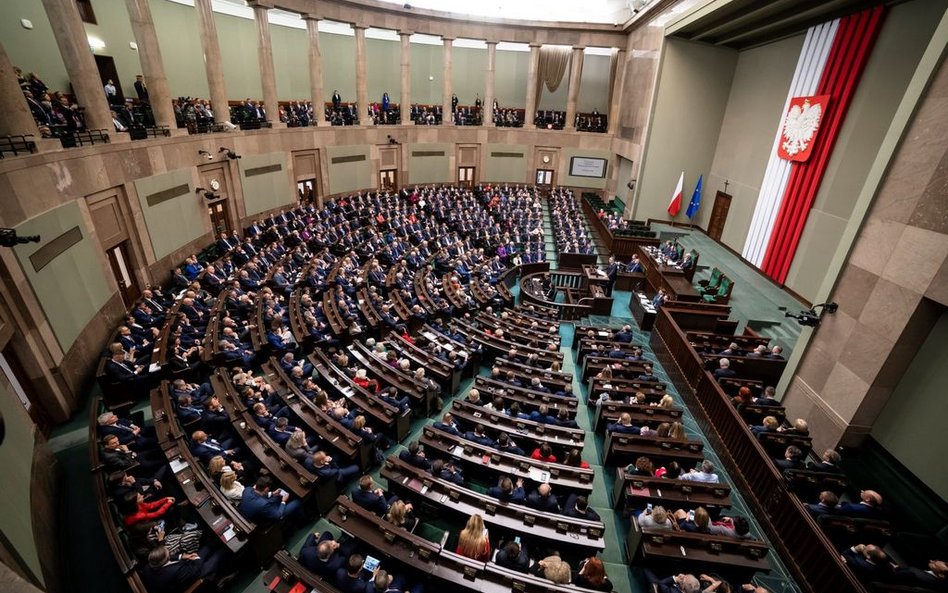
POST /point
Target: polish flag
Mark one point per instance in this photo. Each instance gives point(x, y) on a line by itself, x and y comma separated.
point(675, 205)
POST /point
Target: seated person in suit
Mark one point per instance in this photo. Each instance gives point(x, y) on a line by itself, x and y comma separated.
point(829, 462)
point(792, 459)
point(128, 433)
point(679, 583)
point(826, 505)
point(371, 497)
point(767, 399)
point(542, 499)
point(116, 456)
point(624, 335)
point(776, 353)
point(868, 507)
point(724, 369)
point(624, 425)
point(263, 506)
point(163, 574)
point(478, 436)
point(934, 578)
point(474, 540)
point(704, 473)
point(507, 445)
point(415, 455)
point(868, 562)
point(351, 578)
point(120, 371)
point(205, 448)
point(513, 556)
point(446, 470)
point(642, 467)
point(324, 467)
point(657, 518)
point(448, 425)
point(799, 427)
point(770, 424)
point(324, 555)
point(384, 582)
point(506, 492)
point(578, 508)
point(647, 374)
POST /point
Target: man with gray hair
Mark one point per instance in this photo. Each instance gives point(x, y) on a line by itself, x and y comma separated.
point(705, 473)
point(679, 583)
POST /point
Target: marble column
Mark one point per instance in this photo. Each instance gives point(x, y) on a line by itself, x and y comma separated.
point(149, 56)
point(530, 112)
point(80, 65)
point(447, 117)
point(212, 61)
point(575, 76)
point(617, 89)
point(488, 105)
point(17, 118)
point(362, 76)
point(316, 70)
point(265, 55)
point(405, 101)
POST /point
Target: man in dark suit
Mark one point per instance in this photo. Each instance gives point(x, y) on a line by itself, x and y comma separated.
point(542, 499)
point(323, 555)
point(868, 507)
point(578, 508)
point(127, 432)
point(935, 578)
point(612, 272)
point(415, 455)
point(120, 371)
point(262, 506)
point(350, 578)
point(324, 467)
point(724, 369)
point(506, 492)
point(767, 399)
point(679, 583)
point(477, 435)
point(829, 462)
point(141, 89)
point(513, 556)
point(826, 505)
point(791, 459)
point(625, 335)
point(624, 425)
point(162, 573)
point(372, 498)
point(870, 563)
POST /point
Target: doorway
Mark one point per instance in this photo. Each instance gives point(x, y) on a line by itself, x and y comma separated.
point(388, 180)
point(220, 217)
point(306, 190)
point(121, 270)
point(107, 71)
point(722, 203)
point(544, 176)
point(466, 176)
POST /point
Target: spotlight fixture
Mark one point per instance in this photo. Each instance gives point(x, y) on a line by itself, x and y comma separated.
point(9, 238)
point(811, 318)
point(206, 154)
point(208, 195)
point(230, 153)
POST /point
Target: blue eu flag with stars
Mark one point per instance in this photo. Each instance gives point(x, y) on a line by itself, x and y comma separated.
point(695, 200)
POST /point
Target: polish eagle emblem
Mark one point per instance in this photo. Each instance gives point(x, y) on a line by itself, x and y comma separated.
point(800, 127)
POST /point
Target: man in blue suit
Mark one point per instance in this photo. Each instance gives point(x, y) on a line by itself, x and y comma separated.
point(323, 555)
point(506, 492)
point(478, 436)
point(263, 507)
point(448, 425)
point(868, 507)
point(324, 467)
point(372, 498)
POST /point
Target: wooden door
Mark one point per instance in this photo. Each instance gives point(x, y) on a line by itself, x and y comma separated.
point(388, 180)
point(121, 269)
point(466, 176)
point(220, 217)
point(722, 203)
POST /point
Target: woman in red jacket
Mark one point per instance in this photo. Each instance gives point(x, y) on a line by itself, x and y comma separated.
point(544, 453)
point(135, 509)
point(473, 541)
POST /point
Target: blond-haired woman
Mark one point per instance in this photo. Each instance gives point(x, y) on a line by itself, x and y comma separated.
point(474, 541)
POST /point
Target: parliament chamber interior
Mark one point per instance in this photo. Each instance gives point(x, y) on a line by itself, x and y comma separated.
point(366, 296)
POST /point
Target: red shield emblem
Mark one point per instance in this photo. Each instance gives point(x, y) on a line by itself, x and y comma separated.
point(800, 126)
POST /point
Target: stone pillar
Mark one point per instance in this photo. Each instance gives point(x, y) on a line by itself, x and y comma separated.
point(530, 112)
point(265, 55)
point(447, 117)
point(362, 77)
point(212, 61)
point(316, 70)
point(80, 65)
point(17, 118)
point(405, 101)
point(488, 105)
point(575, 75)
point(617, 90)
point(149, 56)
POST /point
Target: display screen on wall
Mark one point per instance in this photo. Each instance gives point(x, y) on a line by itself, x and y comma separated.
point(581, 166)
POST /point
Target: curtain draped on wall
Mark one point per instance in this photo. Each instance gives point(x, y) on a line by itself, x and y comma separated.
point(551, 68)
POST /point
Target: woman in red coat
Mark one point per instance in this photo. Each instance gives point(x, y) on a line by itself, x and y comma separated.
point(473, 541)
point(135, 509)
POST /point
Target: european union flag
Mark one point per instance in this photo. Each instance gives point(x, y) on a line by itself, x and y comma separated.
point(695, 200)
